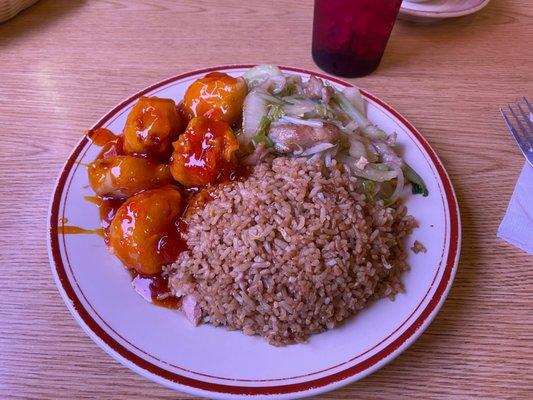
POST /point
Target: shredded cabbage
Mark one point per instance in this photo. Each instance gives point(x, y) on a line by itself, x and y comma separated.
point(354, 97)
point(418, 184)
point(374, 172)
point(399, 185)
point(254, 108)
point(364, 124)
point(260, 74)
point(366, 150)
point(300, 121)
point(260, 136)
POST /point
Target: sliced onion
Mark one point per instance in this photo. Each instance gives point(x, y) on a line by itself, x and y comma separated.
point(351, 131)
point(327, 159)
point(399, 184)
point(357, 149)
point(372, 131)
point(373, 155)
point(391, 140)
point(370, 172)
point(353, 95)
point(317, 148)
point(329, 154)
point(315, 123)
point(271, 99)
point(351, 127)
point(387, 154)
point(299, 107)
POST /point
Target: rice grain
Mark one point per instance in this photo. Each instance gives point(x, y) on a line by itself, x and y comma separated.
point(291, 251)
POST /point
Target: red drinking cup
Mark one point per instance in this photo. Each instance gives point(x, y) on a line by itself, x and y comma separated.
point(349, 36)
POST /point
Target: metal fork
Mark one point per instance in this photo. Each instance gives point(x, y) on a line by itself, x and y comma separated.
point(524, 134)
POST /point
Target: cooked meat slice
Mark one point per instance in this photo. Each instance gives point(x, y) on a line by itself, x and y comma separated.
point(315, 89)
point(288, 137)
point(418, 247)
point(191, 309)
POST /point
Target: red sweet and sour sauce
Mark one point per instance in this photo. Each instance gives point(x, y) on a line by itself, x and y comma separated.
point(153, 288)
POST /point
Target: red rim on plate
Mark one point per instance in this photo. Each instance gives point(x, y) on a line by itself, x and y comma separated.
point(198, 386)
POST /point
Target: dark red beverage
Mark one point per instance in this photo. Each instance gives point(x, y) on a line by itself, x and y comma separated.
point(349, 36)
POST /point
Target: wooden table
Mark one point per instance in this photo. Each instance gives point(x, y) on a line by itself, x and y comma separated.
point(65, 63)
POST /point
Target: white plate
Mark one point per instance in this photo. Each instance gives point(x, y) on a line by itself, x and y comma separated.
point(161, 344)
point(438, 9)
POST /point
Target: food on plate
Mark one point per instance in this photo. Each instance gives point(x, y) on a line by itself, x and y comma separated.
point(292, 250)
point(123, 176)
point(288, 138)
point(277, 210)
point(204, 153)
point(152, 125)
point(217, 96)
point(143, 231)
point(418, 247)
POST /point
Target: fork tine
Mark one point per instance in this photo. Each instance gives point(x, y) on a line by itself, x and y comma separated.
point(526, 117)
point(523, 130)
point(529, 105)
point(517, 138)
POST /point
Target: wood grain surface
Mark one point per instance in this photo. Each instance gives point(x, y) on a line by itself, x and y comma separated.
point(65, 63)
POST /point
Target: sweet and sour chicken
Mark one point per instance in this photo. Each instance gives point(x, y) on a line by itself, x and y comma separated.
point(164, 150)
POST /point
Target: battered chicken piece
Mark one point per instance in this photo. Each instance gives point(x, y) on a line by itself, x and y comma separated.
point(288, 138)
point(152, 125)
point(142, 226)
point(123, 176)
point(217, 96)
point(203, 153)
